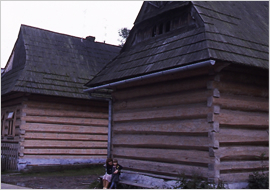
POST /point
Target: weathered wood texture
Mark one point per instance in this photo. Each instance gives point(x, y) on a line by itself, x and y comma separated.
point(11, 104)
point(163, 168)
point(243, 120)
point(161, 127)
point(180, 85)
point(175, 127)
point(166, 155)
point(63, 157)
point(217, 122)
point(57, 129)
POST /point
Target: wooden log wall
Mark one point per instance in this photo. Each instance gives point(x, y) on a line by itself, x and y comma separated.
point(241, 118)
point(161, 127)
point(63, 129)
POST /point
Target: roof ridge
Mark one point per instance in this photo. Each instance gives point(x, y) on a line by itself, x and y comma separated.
point(46, 30)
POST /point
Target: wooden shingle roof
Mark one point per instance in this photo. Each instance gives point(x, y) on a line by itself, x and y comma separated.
point(235, 32)
point(49, 63)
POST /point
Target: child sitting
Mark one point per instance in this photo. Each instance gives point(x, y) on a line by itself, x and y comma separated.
point(115, 173)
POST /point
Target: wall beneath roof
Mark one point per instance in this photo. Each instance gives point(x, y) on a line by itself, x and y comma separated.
point(160, 125)
point(62, 131)
point(207, 122)
point(243, 119)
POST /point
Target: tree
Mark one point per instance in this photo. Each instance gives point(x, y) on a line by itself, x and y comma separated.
point(123, 33)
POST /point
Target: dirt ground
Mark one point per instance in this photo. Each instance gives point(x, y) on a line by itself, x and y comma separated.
point(68, 179)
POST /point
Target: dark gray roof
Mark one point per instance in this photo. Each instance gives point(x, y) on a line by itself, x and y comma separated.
point(50, 63)
point(232, 31)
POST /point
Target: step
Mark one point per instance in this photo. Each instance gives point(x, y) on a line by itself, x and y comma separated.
point(137, 184)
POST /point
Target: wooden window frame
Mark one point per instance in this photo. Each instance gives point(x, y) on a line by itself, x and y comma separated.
point(11, 123)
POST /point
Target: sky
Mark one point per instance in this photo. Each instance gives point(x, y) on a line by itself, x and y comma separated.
point(101, 19)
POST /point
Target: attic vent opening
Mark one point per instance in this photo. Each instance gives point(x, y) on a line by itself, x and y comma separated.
point(160, 29)
point(168, 26)
point(154, 33)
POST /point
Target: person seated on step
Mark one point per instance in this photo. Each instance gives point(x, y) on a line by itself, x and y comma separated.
point(108, 175)
point(115, 174)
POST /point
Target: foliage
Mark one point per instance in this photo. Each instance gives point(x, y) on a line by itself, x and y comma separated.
point(197, 182)
point(259, 179)
point(123, 33)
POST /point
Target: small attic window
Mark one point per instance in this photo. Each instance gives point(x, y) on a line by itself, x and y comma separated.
point(160, 29)
point(154, 31)
point(168, 26)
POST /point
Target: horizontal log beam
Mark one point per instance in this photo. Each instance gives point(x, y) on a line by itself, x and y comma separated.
point(65, 106)
point(64, 120)
point(39, 127)
point(164, 155)
point(160, 141)
point(240, 103)
point(163, 100)
point(241, 152)
point(67, 157)
point(63, 144)
point(66, 151)
point(201, 72)
point(59, 136)
point(63, 113)
point(243, 135)
point(240, 89)
point(162, 88)
point(171, 126)
point(69, 101)
point(243, 78)
point(161, 168)
point(229, 117)
point(241, 165)
point(180, 112)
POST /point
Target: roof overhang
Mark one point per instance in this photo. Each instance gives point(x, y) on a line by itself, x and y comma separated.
point(151, 75)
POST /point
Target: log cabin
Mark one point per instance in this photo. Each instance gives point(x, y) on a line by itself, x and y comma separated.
point(46, 119)
point(190, 93)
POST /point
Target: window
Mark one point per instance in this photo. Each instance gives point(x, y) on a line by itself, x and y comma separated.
point(154, 31)
point(168, 26)
point(11, 123)
point(160, 29)
point(8, 121)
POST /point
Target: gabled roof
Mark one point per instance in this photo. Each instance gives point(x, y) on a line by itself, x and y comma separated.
point(231, 31)
point(50, 63)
